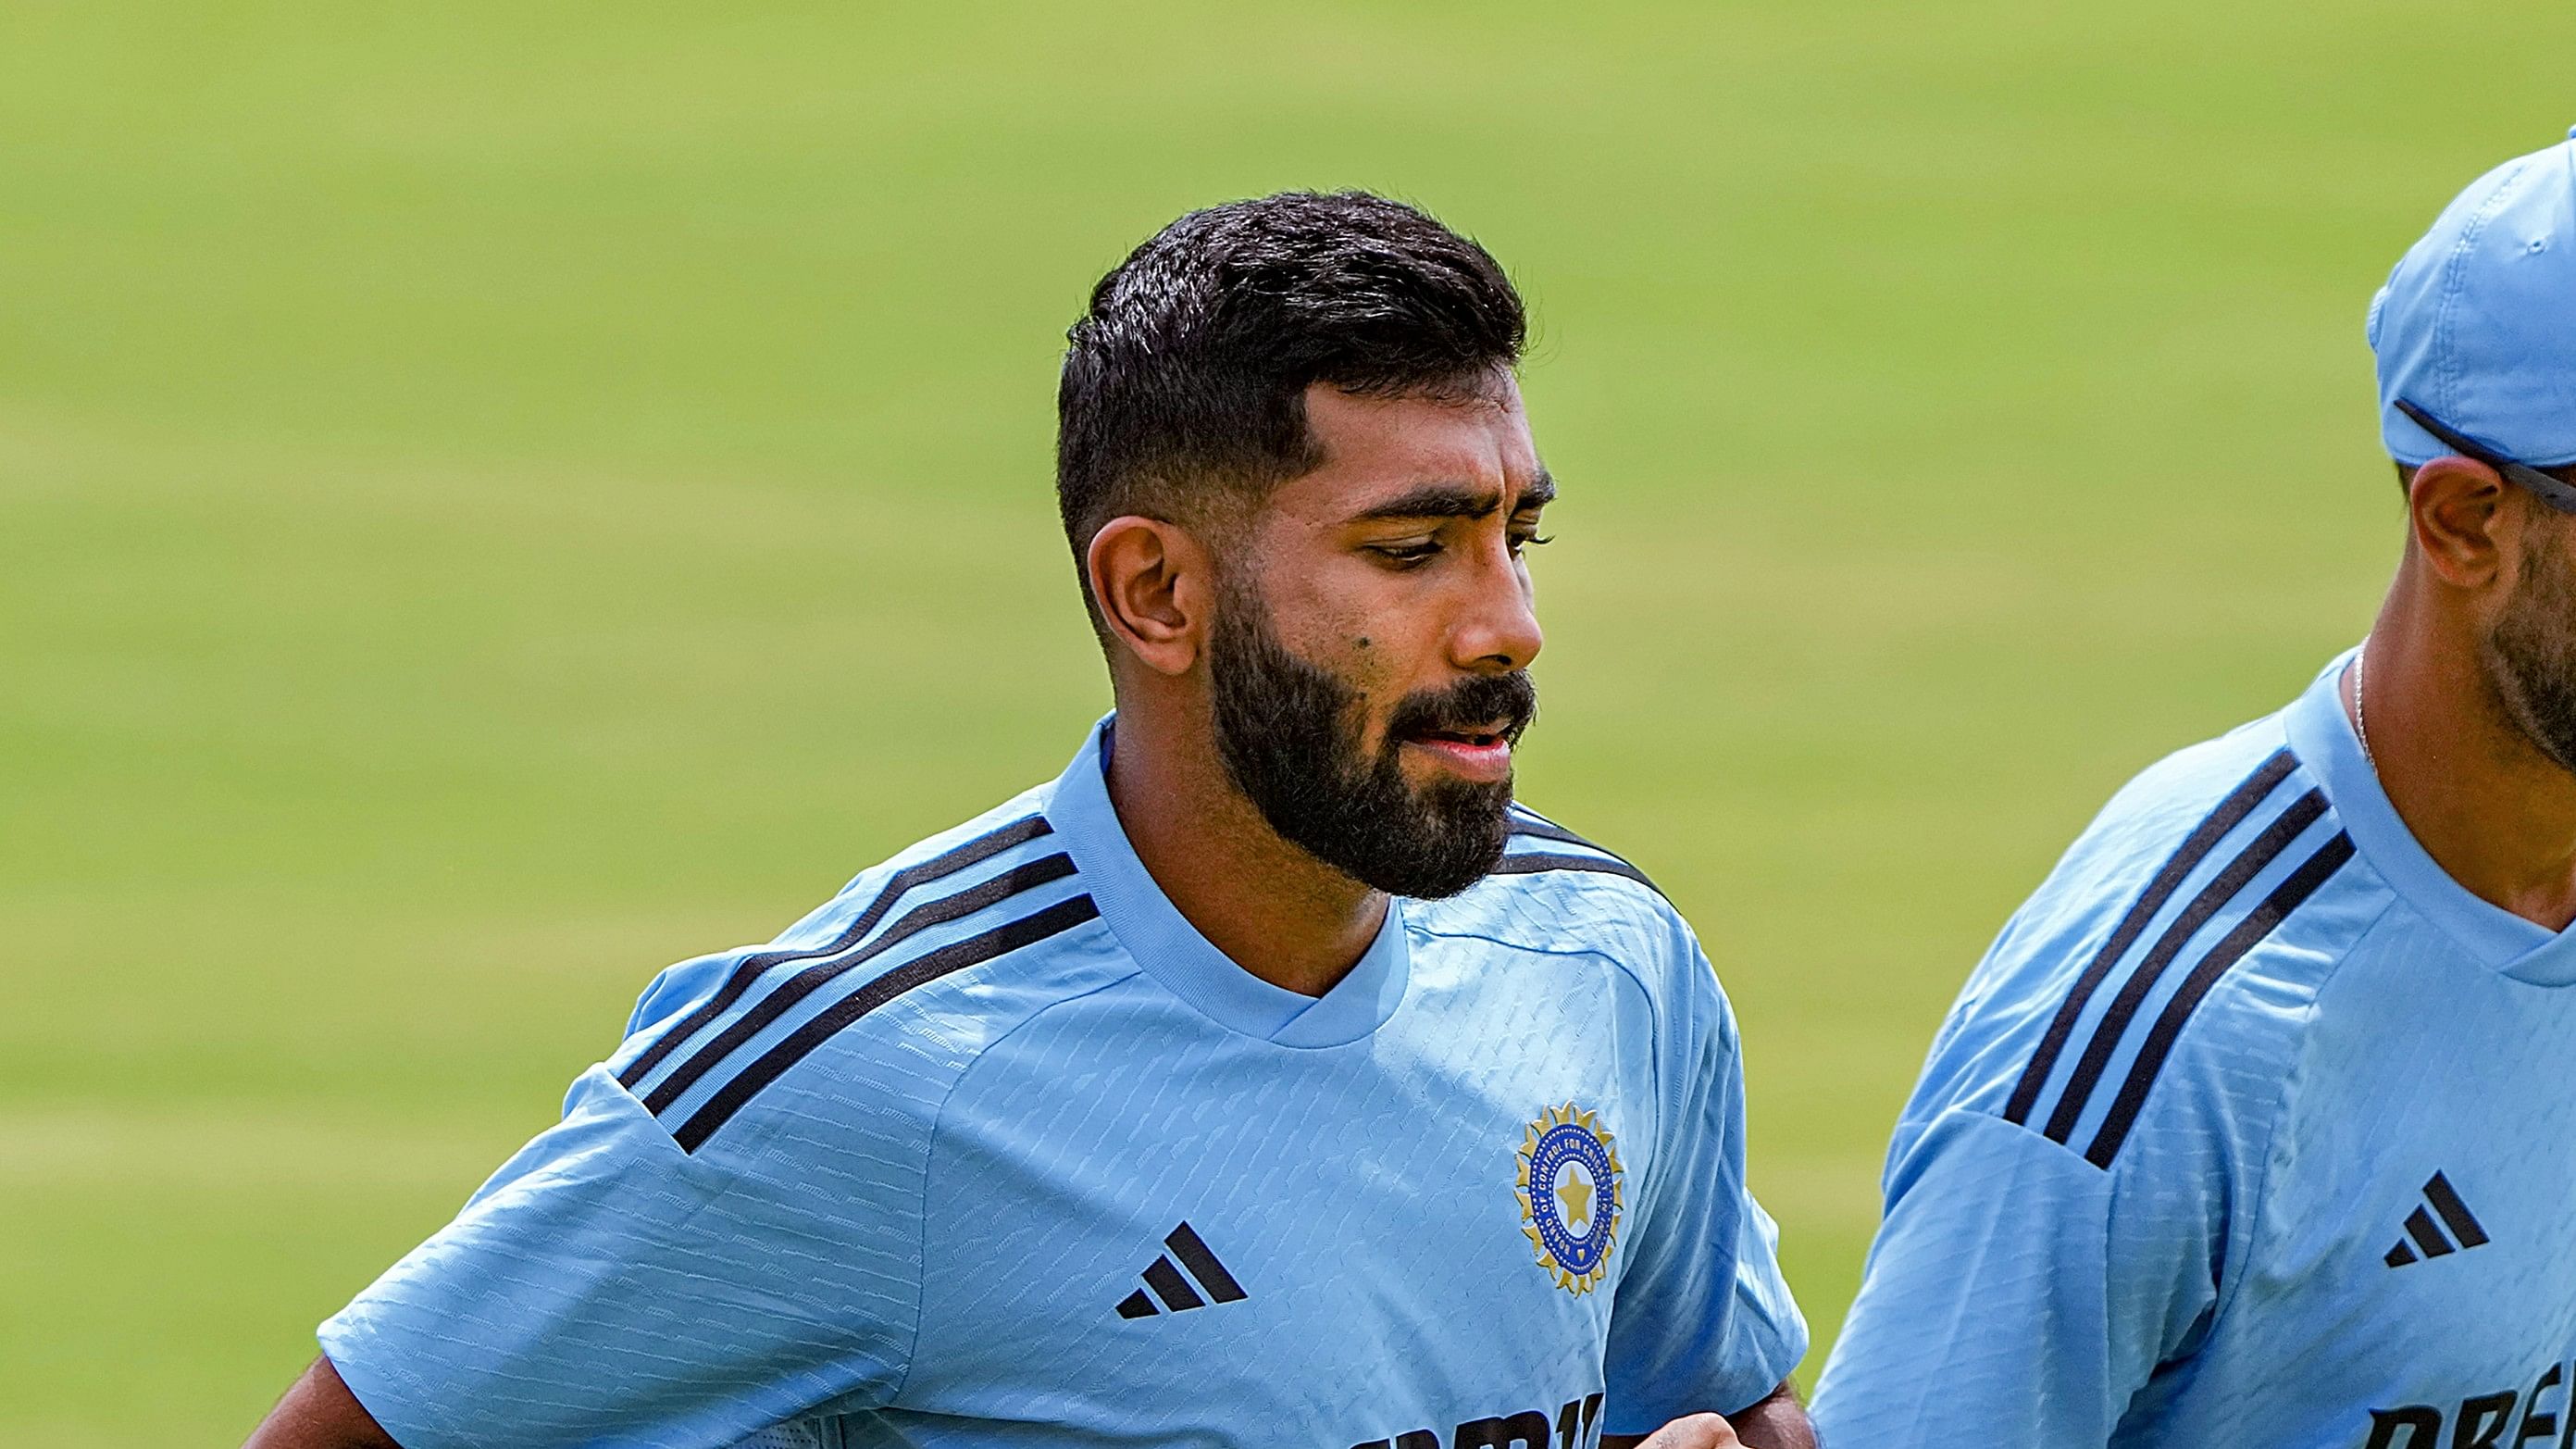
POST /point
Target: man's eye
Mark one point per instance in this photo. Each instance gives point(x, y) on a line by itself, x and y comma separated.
point(1529, 540)
point(1406, 554)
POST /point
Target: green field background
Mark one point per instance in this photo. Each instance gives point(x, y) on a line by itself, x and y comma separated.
point(497, 497)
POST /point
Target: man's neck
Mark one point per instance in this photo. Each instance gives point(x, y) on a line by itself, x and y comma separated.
point(1273, 909)
point(2496, 814)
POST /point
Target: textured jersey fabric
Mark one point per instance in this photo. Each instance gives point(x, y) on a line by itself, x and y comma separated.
point(995, 1149)
point(2253, 1128)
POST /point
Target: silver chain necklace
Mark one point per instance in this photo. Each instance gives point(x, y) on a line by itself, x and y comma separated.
point(2361, 726)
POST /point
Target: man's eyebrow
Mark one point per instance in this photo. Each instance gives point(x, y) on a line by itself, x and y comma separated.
point(1457, 500)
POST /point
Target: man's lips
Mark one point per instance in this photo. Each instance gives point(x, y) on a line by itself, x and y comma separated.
point(1477, 754)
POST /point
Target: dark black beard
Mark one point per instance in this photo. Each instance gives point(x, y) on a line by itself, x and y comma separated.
point(2531, 658)
point(1289, 734)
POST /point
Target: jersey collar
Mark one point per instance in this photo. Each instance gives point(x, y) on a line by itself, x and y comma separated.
point(2321, 735)
point(1168, 947)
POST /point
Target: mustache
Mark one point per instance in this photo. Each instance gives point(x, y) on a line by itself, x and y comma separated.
point(1470, 704)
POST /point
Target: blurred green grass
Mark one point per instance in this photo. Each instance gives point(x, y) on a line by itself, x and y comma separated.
point(498, 497)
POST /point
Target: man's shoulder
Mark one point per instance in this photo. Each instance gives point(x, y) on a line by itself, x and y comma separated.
point(1562, 894)
point(1013, 827)
point(2214, 878)
point(884, 993)
point(2130, 864)
point(1554, 890)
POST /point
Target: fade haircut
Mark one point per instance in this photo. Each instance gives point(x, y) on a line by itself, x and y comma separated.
point(1185, 383)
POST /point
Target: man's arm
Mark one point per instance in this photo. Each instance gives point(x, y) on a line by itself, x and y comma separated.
point(538, 1317)
point(1777, 1422)
point(2019, 1296)
point(319, 1412)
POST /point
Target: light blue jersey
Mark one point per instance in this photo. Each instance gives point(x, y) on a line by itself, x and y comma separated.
point(2252, 1129)
point(996, 1149)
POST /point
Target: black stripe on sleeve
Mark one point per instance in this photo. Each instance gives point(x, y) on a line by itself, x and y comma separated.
point(1538, 862)
point(1536, 828)
point(2286, 897)
point(981, 848)
point(2214, 897)
point(1529, 824)
point(2204, 838)
point(974, 950)
point(813, 978)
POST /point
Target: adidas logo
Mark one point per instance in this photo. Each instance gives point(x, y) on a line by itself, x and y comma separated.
point(2424, 1236)
point(1173, 1288)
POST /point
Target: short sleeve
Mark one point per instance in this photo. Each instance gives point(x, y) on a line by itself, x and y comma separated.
point(2018, 1296)
point(606, 1288)
point(1703, 1321)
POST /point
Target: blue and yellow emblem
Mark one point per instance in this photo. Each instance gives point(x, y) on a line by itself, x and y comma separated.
point(1569, 1192)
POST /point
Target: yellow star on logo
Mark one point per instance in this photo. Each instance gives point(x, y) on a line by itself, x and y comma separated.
point(1576, 1194)
point(1568, 1192)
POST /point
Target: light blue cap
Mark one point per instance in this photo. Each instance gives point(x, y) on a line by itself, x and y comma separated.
point(2477, 324)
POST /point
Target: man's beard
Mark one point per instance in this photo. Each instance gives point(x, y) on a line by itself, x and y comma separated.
point(2530, 657)
point(1290, 736)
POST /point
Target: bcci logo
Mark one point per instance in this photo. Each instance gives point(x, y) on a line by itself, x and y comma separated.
point(1569, 1192)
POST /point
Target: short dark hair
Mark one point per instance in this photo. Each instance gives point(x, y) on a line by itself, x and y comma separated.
point(1186, 380)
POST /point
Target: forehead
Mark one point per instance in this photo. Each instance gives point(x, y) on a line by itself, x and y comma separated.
point(1376, 448)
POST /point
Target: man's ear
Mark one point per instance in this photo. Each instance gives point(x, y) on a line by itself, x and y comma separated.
point(1155, 585)
point(2464, 524)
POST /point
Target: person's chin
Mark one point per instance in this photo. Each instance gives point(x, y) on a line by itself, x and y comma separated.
point(1453, 882)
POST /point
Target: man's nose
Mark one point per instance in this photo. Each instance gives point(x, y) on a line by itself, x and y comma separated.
point(1500, 631)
